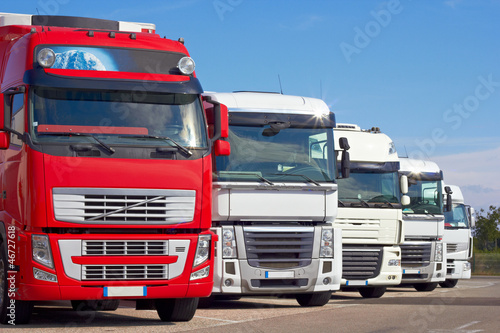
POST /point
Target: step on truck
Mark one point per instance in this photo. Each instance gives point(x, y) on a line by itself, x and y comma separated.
point(458, 222)
point(105, 168)
point(423, 252)
point(370, 212)
point(275, 198)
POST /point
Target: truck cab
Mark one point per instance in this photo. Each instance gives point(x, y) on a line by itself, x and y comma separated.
point(370, 211)
point(275, 199)
point(423, 252)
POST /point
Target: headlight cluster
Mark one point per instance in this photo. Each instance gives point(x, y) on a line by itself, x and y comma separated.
point(438, 254)
point(394, 262)
point(202, 250)
point(228, 243)
point(326, 250)
point(41, 250)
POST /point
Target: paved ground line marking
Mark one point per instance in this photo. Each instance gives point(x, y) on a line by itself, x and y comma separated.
point(218, 319)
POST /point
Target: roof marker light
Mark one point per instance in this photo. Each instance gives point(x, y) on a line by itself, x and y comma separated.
point(186, 65)
point(46, 57)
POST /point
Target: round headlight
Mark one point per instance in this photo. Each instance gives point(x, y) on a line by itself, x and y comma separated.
point(227, 235)
point(327, 235)
point(186, 65)
point(46, 57)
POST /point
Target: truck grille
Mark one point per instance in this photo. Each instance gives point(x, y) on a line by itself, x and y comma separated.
point(132, 248)
point(361, 263)
point(123, 206)
point(416, 255)
point(456, 247)
point(129, 272)
point(286, 247)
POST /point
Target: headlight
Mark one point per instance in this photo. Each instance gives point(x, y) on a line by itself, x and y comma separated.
point(46, 57)
point(186, 65)
point(326, 250)
point(202, 250)
point(438, 255)
point(228, 243)
point(41, 250)
point(392, 148)
point(394, 262)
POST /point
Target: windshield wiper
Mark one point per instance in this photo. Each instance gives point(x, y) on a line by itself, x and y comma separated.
point(166, 138)
point(341, 204)
point(298, 175)
point(252, 174)
point(101, 143)
point(363, 203)
point(385, 202)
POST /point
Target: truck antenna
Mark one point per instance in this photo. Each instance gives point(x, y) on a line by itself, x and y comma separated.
point(281, 88)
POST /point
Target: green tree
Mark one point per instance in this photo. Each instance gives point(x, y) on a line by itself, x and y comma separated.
point(486, 230)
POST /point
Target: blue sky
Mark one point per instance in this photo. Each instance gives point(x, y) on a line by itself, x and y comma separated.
point(426, 72)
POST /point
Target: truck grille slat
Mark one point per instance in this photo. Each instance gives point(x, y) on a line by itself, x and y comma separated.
point(128, 272)
point(279, 249)
point(416, 255)
point(361, 263)
point(123, 206)
point(125, 248)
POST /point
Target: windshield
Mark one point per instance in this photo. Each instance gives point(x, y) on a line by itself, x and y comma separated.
point(117, 118)
point(261, 153)
point(457, 217)
point(425, 197)
point(368, 188)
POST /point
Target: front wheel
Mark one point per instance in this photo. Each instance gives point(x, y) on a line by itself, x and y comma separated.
point(176, 309)
point(448, 283)
point(12, 311)
point(372, 292)
point(314, 299)
point(425, 286)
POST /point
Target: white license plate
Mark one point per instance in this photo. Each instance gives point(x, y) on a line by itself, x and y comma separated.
point(356, 283)
point(411, 271)
point(124, 291)
point(280, 275)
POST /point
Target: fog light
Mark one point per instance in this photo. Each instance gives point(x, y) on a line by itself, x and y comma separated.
point(228, 283)
point(466, 266)
point(44, 276)
point(202, 273)
point(326, 281)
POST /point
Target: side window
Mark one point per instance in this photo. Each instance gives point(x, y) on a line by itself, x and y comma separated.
point(17, 118)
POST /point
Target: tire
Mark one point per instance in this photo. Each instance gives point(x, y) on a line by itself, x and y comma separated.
point(425, 286)
point(448, 283)
point(22, 309)
point(95, 305)
point(314, 299)
point(176, 309)
point(372, 292)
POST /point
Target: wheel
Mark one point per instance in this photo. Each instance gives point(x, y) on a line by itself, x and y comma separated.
point(425, 286)
point(448, 283)
point(176, 309)
point(11, 311)
point(314, 299)
point(372, 292)
point(95, 305)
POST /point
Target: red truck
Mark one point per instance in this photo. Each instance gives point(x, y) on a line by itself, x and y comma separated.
point(105, 168)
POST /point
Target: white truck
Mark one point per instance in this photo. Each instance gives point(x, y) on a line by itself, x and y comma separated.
point(370, 212)
point(457, 234)
point(275, 198)
point(423, 252)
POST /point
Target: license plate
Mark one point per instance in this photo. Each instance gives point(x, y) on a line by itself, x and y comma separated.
point(356, 283)
point(280, 275)
point(411, 271)
point(124, 291)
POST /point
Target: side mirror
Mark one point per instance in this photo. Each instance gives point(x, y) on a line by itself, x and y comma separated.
point(4, 140)
point(345, 162)
point(405, 200)
point(2, 111)
point(472, 218)
point(222, 148)
point(217, 115)
point(449, 204)
point(403, 184)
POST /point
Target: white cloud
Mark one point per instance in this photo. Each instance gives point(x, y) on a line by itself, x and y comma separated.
point(477, 173)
